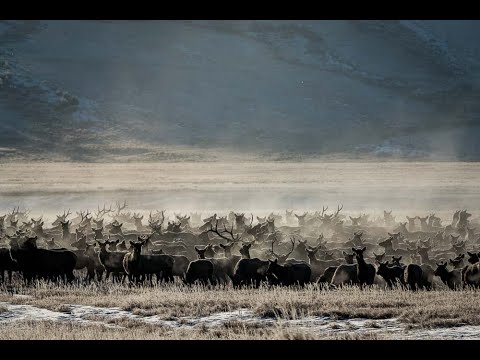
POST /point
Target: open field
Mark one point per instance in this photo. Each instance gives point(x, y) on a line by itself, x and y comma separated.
point(176, 312)
point(107, 311)
point(260, 187)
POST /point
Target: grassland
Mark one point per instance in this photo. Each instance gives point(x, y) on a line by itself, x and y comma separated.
point(420, 310)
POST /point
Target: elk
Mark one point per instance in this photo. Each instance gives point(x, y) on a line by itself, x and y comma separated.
point(379, 258)
point(289, 274)
point(61, 218)
point(463, 219)
point(226, 265)
point(122, 246)
point(261, 220)
point(250, 271)
point(7, 264)
point(471, 273)
point(396, 261)
point(156, 225)
point(201, 270)
point(301, 218)
point(387, 244)
point(112, 261)
point(184, 221)
point(283, 258)
point(119, 215)
point(271, 225)
point(137, 219)
point(300, 251)
point(98, 233)
point(180, 264)
point(137, 265)
point(289, 217)
point(100, 213)
point(196, 218)
point(93, 255)
point(451, 278)
point(329, 219)
point(85, 221)
point(240, 221)
point(67, 236)
point(365, 272)
point(317, 266)
point(391, 274)
point(458, 262)
point(51, 244)
point(388, 218)
point(413, 276)
point(247, 270)
point(411, 223)
point(117, 231)
point(355, 221)
point(47, 264)
point(424, 257)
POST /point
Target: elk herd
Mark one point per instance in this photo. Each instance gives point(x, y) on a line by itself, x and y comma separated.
point(237, 249)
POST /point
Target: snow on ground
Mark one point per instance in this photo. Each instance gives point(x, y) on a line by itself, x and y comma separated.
point(78, 314)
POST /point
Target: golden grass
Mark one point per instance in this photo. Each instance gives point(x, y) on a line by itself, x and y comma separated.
point(49, 330)
point(423, 309)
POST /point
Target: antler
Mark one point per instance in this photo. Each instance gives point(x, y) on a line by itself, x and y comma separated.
point(292, 240)
point(84, 215)
point(323, 210)
point(15, 211)
point(120, 208)
point(232, 237)
point(66, 214)
point(338, 210)
point(102, 212)
point(273, 252)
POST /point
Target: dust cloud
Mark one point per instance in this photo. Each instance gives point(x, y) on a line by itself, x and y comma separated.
point(258, 187)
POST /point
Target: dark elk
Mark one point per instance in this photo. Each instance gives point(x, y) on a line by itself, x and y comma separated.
point(138, 266)
point(365, 272)
point(36, 263)
point(289, 274)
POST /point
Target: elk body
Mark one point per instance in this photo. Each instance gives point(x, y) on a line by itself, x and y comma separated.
point(289, 274)
point(42, 263)
point(137, 266)
point(452, 278)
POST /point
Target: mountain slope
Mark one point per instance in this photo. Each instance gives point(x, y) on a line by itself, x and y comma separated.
point(171, 90)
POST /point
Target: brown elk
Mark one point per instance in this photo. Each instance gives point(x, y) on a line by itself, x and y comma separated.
point(61, 218)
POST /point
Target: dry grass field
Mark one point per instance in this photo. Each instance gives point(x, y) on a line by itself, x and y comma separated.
point(111, 311)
